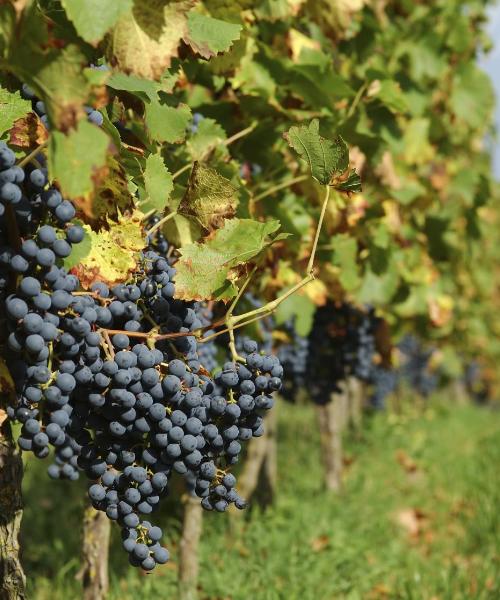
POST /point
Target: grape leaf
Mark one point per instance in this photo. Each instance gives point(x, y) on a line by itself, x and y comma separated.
point(114, 251)
point(389, 93)
point(74, 160)
point(144, 41)
point(134, 84)
point(345, 251)
point(112, 196)
point(12, 108)
point(204, 270)
point(208, 36)
point(158, 184)
point(351, 185)
point(28, 132)
point(472, 97)
point(326, 158)
point(56, 74)
point(297, 308)
point(94, 18)
point(167, 123)
point(209, 198)
point(208, 136)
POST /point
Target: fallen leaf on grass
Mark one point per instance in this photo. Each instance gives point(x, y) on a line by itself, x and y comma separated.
point(320, 543)
point(348, 460)
point(412, 520)
point(381, 590)
point(408, 464)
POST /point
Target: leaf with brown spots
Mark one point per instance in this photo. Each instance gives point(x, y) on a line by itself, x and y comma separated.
point(28, 132)
point(114, 251)
point(210, 198)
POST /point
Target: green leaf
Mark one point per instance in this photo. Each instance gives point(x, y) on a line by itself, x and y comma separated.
point(133, 84)
point(408, 192)
point(204, 269)
point(74, 158)
point(319, 85)
point(158, 184)
point(167, 123)
point(379, 289)
point(301, 309)
point(345, 253)
point(208, 136)
point(351, 184)
point(209, 198)
point(472, 98)
point(326, 158)
point(144, 41)
point(416, 140)
point(208, 36)
point(94, 18)
point(12, 107)
point(391, 95)
point(57, 76)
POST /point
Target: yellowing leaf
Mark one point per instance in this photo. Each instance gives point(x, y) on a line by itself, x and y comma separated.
point(205, 270)
point(93, 18)
point(114, 251)
point(144, 41)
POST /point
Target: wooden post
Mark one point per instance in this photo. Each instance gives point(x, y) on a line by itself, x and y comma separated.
point(459, 393)
point(356, 402)
point(249, 476)
point(95, 550)
point(331, 420)
point(12, 578)
point(189, 549)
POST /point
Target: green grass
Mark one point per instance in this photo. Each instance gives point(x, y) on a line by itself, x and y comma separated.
point(418, 519)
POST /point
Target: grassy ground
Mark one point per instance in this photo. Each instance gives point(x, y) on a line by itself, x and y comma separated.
point(419, 518)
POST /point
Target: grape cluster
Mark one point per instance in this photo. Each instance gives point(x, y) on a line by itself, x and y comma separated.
point(359, 344)
point(293, 356)
point(341, 343)
point(384, 382)
point(157, 241)
point(415, 369)
point(111, 377)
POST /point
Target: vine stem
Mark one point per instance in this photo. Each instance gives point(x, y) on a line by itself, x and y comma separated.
point(310, 264)
point(181, 171)
point(230, 140)
point(32, 154)
point(160, 223)
point(278, 187)
point(240, 134)
point(223, 331)
point(356, 101)
point(270, 307)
